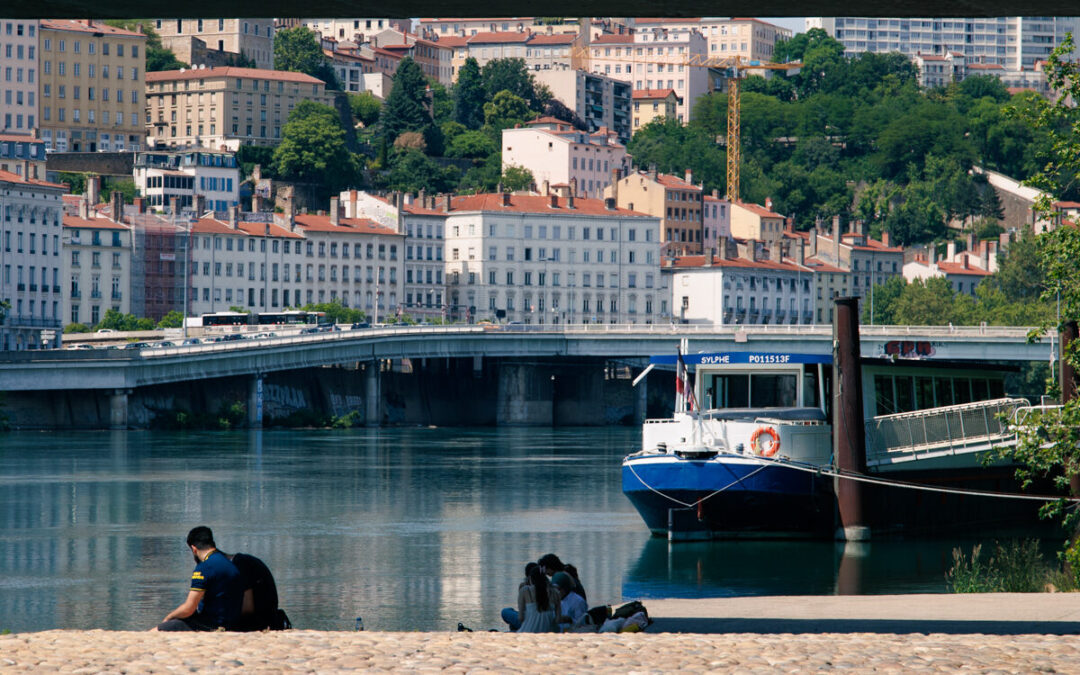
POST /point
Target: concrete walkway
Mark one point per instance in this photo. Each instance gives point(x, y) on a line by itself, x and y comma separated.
point(959, 613)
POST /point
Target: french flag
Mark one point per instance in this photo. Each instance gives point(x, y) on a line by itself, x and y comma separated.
point(684, 393)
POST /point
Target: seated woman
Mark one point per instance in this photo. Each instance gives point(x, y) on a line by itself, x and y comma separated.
point(538, 604)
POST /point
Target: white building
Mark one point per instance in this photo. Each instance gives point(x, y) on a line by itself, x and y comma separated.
point(162, 175)
point(542, 259)
point(556, 153)
point(97, 267)
point(729, 289)
point(32, 212)
point(748, 38)
point(19, 106)
point(600, 101)
point(1014, 42)
point(657, 58)
point(422, 222)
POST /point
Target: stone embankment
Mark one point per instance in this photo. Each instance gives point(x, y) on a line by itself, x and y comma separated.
point(313, 651)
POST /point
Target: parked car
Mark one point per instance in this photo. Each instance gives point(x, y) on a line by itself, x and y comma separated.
point(191, 341)
point(137, 345)
point(360, 325)
point(308, 330)
point(105, 331)
point(79, 346)
point(162, 345)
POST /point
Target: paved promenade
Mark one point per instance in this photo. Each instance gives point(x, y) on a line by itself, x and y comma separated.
point(1018, 633)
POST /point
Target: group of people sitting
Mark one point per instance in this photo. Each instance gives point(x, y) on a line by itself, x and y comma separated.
point(551, 599)
point(228, 592)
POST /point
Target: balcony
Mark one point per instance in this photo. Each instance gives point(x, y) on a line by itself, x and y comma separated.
point(76, 293)
point(55, 289)
point(96, 295)
point(20, 286)
point(117, 296)
point(33, 287)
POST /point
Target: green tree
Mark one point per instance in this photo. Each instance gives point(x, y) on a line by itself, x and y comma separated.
point(365, 107)
point(297, 49)
point(406, 107)
point(882, 311)
point(513, 75)
point(250, 155)
point(312, 149)
point(336, 312)
point(924, 303)
point(472, 145)
point(412, 171)
point(76, 328)
point(516, 178)
point(115, 320)
point(173, 319)
point(469, 95)
point(505, 110)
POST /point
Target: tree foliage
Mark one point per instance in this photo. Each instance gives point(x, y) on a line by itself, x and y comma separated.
point(157, 57)
point(516, 178)
point(469, 95)
point(312, 149)
point(407, 107)
point(297, 49)
point(365, 108)
point(115, 320)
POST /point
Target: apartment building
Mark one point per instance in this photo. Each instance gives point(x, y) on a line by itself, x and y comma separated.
point(216, 107)
point(472, 26)
point(552, 260)
point(193, 40)
point(751, 221)
point(92, 85)
point(349, 29)
point(433, 57)
point(22, 155)
point(748, 38)
point(32, 212)
point(740, 287)
point(964, 270)
point(161, 176)
point(350, 69)
point(19, 105)
point(600, 101)
point(678, 202)
point(651, 104)
point(868, 262)
point(540, 51)
point(657, 58)
point(97, 266)
point(716, 221)
point(558, 154)
point(1014, 42)
point(423, 225)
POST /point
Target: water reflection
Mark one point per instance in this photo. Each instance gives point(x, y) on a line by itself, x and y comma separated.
point(413, 529)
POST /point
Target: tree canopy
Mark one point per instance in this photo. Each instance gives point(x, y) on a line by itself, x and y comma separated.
point(313, 150)
point(297, 49)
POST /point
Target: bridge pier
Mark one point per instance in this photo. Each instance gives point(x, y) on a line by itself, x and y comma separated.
point(371, 394)
point(118, 409)
point(255, 402)
point(524, 396)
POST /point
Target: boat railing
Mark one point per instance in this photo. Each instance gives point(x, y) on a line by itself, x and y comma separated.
point(954, 429)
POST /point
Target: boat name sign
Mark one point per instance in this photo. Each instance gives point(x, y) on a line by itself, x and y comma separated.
point(754, 358)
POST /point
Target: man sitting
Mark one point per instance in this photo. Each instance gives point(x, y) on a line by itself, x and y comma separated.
point(259, 610)
point(216, 594)
point(573, 605)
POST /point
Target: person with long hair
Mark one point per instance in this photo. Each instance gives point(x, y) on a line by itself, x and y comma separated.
point(550, 565)
point(538, 603)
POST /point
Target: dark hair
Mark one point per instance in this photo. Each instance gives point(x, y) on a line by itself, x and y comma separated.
point(540, 586)
point(550, 561)
point(571, 570)
point(201, 538)
point(529, 568)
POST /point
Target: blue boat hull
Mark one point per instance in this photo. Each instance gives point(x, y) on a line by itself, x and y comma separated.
point(728, 497)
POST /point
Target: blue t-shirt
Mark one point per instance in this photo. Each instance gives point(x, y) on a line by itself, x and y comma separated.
point(223, 592)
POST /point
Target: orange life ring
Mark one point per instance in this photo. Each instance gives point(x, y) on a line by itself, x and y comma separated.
point(770, 447)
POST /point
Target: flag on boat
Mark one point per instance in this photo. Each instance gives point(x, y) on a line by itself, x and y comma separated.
point(684, 393)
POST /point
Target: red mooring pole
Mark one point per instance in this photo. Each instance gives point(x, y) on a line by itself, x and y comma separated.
point(849, 438)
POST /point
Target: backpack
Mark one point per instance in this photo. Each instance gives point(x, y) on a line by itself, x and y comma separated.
point(629, 609)
point(280, 620)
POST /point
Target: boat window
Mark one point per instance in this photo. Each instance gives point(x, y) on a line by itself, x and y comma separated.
point(773, 390)
point(962, 388)
point(924, 388)
point(810, 388)
point(943, 389)
point(979, 390)
point(997, 388)
point(883, 395)
point(729, 391)
point(905, 394)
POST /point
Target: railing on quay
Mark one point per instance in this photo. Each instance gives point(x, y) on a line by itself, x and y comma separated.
point(955, 429)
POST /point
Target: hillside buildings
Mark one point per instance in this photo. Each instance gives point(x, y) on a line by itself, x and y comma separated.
point(92, 85)
point(750, 39)
point(651, 104)
point(558, 154)
point(678, 202)
point(97, 266)
point(600, 101)
point(225, 107)
point(19, 105)
point(22, 155)
point(162, 176)
point(217, 42)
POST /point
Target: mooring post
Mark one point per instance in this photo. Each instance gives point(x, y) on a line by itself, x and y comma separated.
point(1067, 378)
point(849, 437)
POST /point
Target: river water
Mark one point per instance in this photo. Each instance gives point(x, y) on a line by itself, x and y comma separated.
point(412, 529)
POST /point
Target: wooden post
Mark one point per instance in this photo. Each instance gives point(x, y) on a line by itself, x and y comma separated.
point(849, 437)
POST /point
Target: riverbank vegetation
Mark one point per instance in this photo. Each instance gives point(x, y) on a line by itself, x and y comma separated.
point(1012, 567)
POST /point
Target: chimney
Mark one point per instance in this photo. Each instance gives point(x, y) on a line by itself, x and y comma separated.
point(731, 249)
point(140, 204)
point(546, 188)
point(335, 211)
point(232, 217)
point(967, 264)
point(422, 198)
point(751, 250)
point(447, 202)
point(689, 176)
point(652, 171)
point(971, 241)
point(116, 205)
point(615, 185)
point(573, 188)
point(885, 239)
point(554, 201)
point(931, 255)
point(609, 203)
point(813, 241)
point(570, 200)
point(709, 257)
point(768, 203)
point(950, 252)
point(836, 239)
point(174, 205)
point(505, 198)
point(776, 251)
point(84, 207)
point(93, 189)
point(200, 205)
point(789, 225)
point(715, 194)
point(800, 253)
point(987, 246)
point(853, 226)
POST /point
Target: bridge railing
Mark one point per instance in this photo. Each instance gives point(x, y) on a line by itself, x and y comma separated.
point(949, 430)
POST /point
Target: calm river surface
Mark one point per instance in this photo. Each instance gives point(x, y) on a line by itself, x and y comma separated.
point(412, 529)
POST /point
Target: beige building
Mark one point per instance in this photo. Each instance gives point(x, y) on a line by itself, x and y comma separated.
point(649, 104)
point(97, 266)
point(598, 100)
point(557, 154)
point(191, 39)
point(676, 201)
point(750, 221)
point(747, 38)
point(92, 83)
point(18, 107)
point(217, 107)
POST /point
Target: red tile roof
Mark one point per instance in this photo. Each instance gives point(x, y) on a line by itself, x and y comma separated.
point(819, 265)
point(230, 71)
point(453, 40)
point(92, 224)
point(958, 269)
point(539, 204)
point(260, 230)
point(20, 138)
point(16, 178)
point(666, 19)
point(654, 93)
point(1062, 205)
point(760, 211)
point(985, 66)
point(667, 180)
point(870, 245)
point(612, 39)
point(413, 208)
point(556, 39)
point(487, 37)
point(346, 225)
point(698, 262)
point(80, 25)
